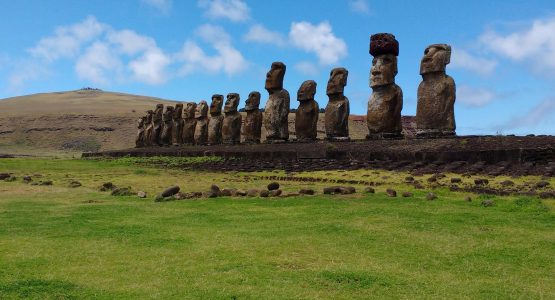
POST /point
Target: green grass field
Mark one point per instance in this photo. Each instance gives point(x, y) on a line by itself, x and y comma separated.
point(58, 242)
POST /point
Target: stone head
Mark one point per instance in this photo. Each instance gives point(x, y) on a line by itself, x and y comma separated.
point(337, 81)
point(216, 105)
point(190, 110)
point(384, 69)
point(202, 109)
point(306, 91)
point(253, 102)
point(274, 77)
point(178, 111)
point(232, 102)
point(159, 107)
point(436, 57)
point(148, 116)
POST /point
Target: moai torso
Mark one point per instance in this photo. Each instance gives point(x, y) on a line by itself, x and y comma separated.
point(252, 127)
point(148, 129)
point(215, 121)
point(306, 117)
point(435, 111)
point(337, 109)
point(167, 128)
point(201, 128)
point(189, 123)
point(157, 124)
point(140, 139)
point(276, 112)
point(383, 116)
point(177, 129)
point(231, 128)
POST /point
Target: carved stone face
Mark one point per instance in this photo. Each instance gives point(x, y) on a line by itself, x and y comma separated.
point(253, 102)
point(149, 114)
point(232, 102)
point(384, 69)
point(178, 111)
point(436, 57)
point(190, 109)
point(202, 109)
point(337, 81)
point(274, 77)
point(216, 105)
point(159, 108)
point(306, 91)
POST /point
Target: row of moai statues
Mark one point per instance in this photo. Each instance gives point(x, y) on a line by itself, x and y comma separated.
point(434, 117)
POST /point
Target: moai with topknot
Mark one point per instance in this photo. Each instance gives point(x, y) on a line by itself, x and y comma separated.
point(276, 112)
point(252, 128)
point(189, 123)
point(383, 116)
point(177, 129)
point(201, 128)
point(216, 120)
point(435, 110)
point(231, 129)
point(337, 110)
point(306, 117)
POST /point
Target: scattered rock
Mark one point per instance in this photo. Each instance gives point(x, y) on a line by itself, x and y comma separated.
point(409, 179)
point(141, 194)
point(4, 176)
point(488, 202)
point(454, 188)
point(481, 181)
point(307, 192)
point(75, 184)
point(468, 199)
point(547, 195)
point(172, 190)
point(391, 192)
point(432, 179)
point(347, 190)
point(125, 191)
point(507, 183)
point(456, 180)
point(431, 196)
point(107, 186)
point(287, 195)
point(46, 182)
point(228, 192)
point(273, 186)
point(332, 190)
point(214, 191)
point(11, 179)
point(239, 193)
point(27, 179)
point(252, 193)
point(264, 193)
point(542, 184)
point(407, 194)
point(275, 193)
point(369, 189)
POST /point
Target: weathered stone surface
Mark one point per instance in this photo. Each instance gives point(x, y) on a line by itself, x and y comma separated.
point(252, 127)
point(337, 109)
point(435, 115)
point(252, 193)
point(141, 127)
point(275, 193)
point(216, 120)
point(25, 179)
point(391, 192)
point(149, 129)
point(277, 107)
point(157, 124)
point(347, 190)
point(231, 128)
point(74, 184)
point(481, 181)
point(383, 43)
point(306, 117)
point(107, 186)
point(273, 186)
point(307, 192)
point(189, 123)
point(264, 193)
point(123, 191)
point(141, 194)
point(407, 194)
point(178, 123)
point(369, 189)
point(201, 126)
point(170, 191)
point(167, 118)
point(4, 176)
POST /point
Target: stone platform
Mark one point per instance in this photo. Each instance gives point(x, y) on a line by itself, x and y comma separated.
point(506, 154)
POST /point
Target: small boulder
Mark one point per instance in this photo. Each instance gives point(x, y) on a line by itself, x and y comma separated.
point(542, 184)
point(468, 199)
point(228, 192)
point(239, 193)
point(369, 190)
point(3, 176)
point(347, 190)
point(275, 193)
point(409, 179)
point(307, 192)
point(507, 183)
point(46, 182)
point(11, 179)
point(124, 191)
point(141, 194)
point(74, 184)
point(456, 180)
point(547, 195)
point(481, 181)
point(264, 193)
point(391, 192)
point(488, 203)
point(407, 194)
point(273, 186)
point(252, 193)
point(332, 190)
point(431, 196)
point(107, 186)
point(172, 190)
point(27, 179)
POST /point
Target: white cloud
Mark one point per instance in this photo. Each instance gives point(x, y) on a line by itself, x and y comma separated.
point(150, 67)
point(543, 111)
point(461, 59)
point(163, 6)
point(233, 10)
point(259, 33)
point(129, 42)
point(359, 6)
point(68, 40)
point(534, 45)
point(319, 39)
point(228, 59)
point(24, 71)
point(307, 68)
point(96, 62)
point(474, 96)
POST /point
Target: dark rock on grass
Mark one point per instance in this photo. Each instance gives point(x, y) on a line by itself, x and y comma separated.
point(332, 190)
point(547, 195)
point(307, 192)
point(468, 199)
point(275, 193)
point(542, 184)
point(347, 190)
point(409, 179)
point(75, 184)
point(124, 191)
point(344, 190)
point(11, 179)
point(214, 192)
point(46, 182)
point(287, 195)
point(481, 181)
point(391, 192)
point(273, 186)
point(252, 193)
point(507, 183)
point(172, 190)
point(432, 179)
point(456, 180)
point(488, 203)
point(407, 194)
point(431, 196)
point(369, 190)
point(4, 176)
point(239, 193)
point(228, 192)
point(27, 179)
point(141, 194)
point(107, 186)
point(454, 188)
point(418, 186)
point(264, 193)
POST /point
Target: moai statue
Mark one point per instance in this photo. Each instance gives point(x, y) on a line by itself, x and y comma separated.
point(189, 123)
point(148, 128)
point(383, 117)
point(435, 111)
point(140, 139)
point(177, 129)
point(167, 127)
point(216, 120)
point(201, 128)
point(157, 125)
point(252, 128)
point(231, 129)
point(306, 117)
point(337, 110)
point(277, 107)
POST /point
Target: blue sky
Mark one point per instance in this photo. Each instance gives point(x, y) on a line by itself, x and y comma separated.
point(503, 58)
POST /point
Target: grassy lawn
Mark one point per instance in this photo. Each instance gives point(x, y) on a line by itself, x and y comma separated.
point(58, 242)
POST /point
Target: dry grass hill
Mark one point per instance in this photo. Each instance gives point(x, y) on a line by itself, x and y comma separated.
point(87, 120)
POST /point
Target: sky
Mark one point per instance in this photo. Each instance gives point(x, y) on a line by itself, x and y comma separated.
point(503, 57)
